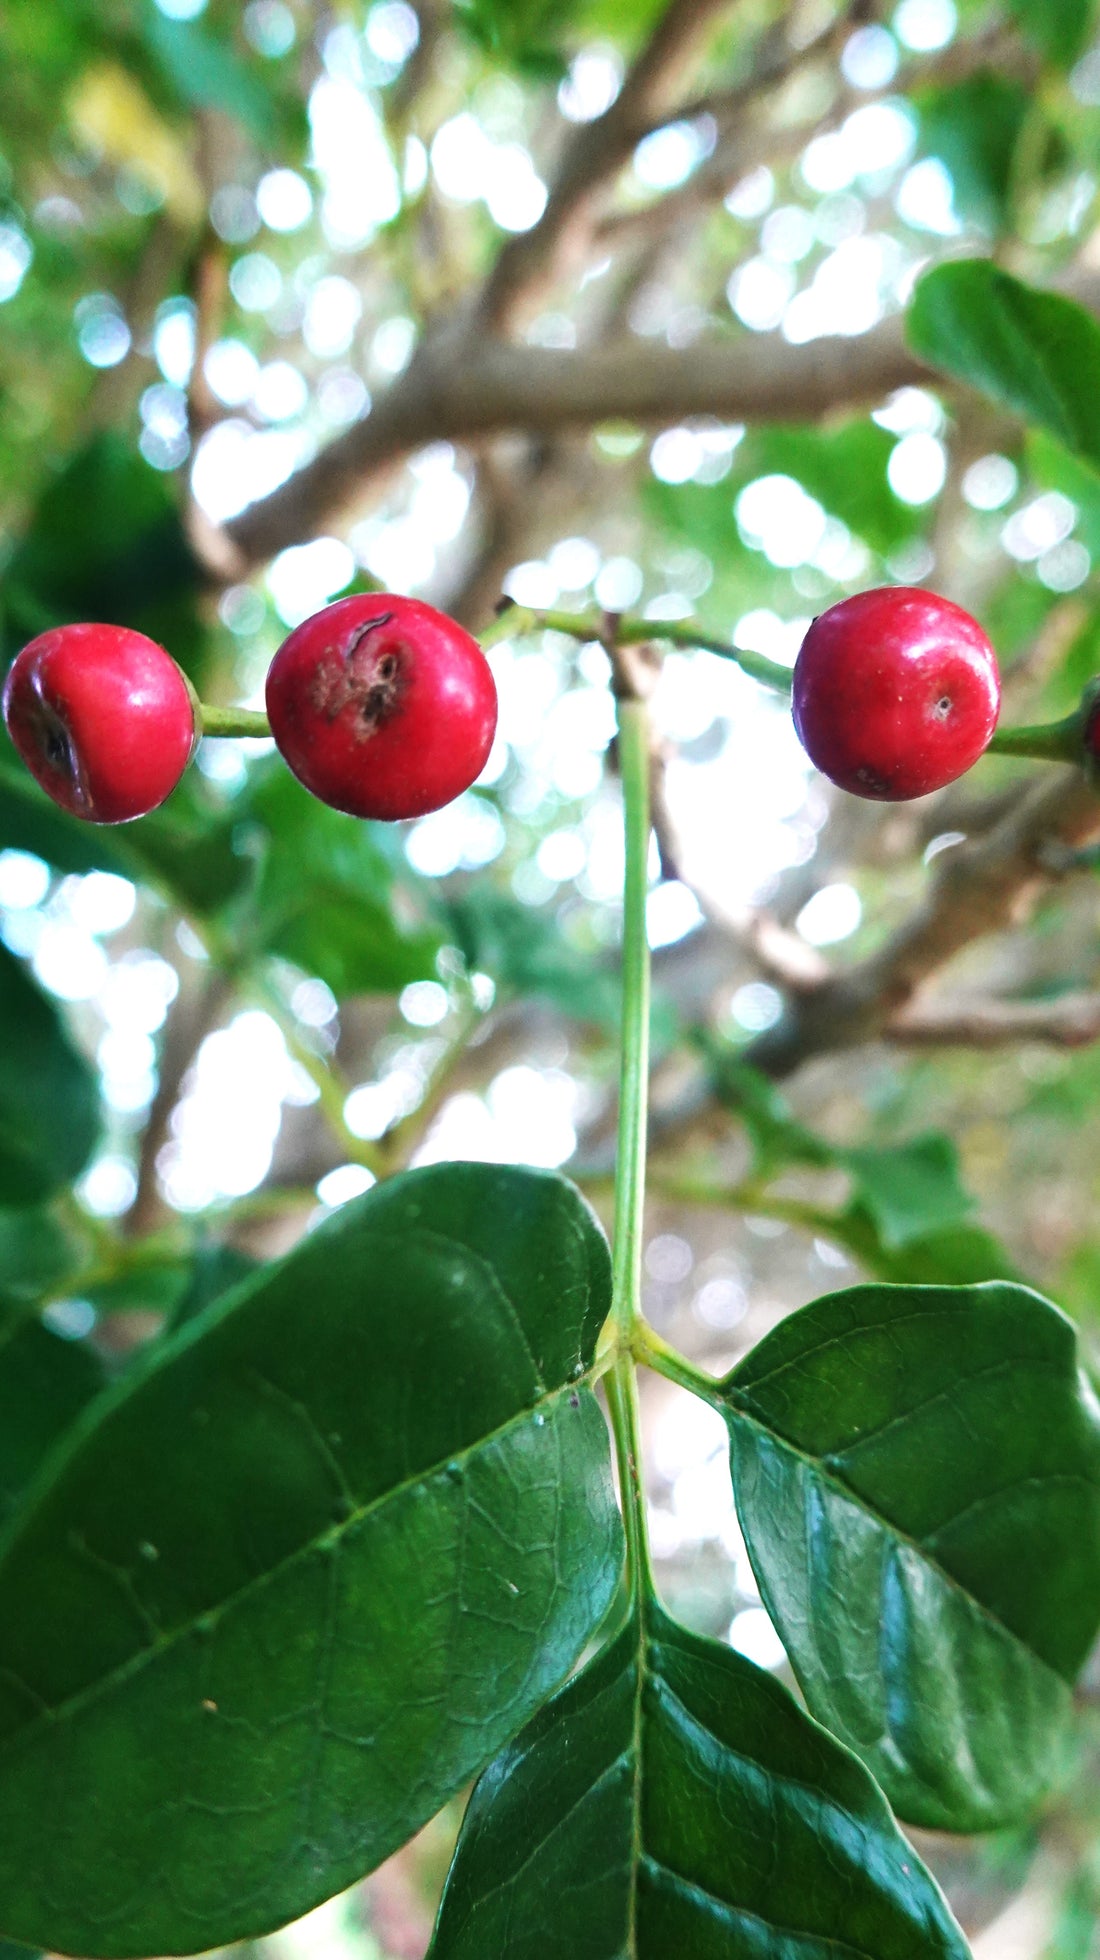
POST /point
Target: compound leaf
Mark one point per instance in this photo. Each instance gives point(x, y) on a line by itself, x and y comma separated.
point(298, 1582)
point(674, 1799)
point(917, 1473)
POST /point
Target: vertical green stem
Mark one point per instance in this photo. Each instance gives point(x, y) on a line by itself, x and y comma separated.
point(622, 1391)
point(634, 1064)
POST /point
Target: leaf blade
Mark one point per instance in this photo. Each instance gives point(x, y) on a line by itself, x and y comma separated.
point(917, 1471)
point(439, 1465)
point(49, 1101)
point(662, 1802)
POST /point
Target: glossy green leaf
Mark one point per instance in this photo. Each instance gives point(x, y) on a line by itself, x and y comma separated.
point(49, 1100)
point(917, 1473)
point(675, 1803)
point(45, 1383)
point(1033, 352)
point(909, 1189)
point(300, 1580)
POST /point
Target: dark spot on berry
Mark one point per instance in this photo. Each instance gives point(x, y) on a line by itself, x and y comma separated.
point(942, 708)
point(878, 785)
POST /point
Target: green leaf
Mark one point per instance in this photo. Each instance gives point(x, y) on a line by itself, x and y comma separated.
point(1060, 31)
point(328, 897)
point(49, 1099)
point(960, 1255)
point(844, 468)
point(777, 1137)
point(522, 34)
point(188, 846)
point(106, 542)
point(674, 1801)
point(527, 955)
point(917, 1473)
point(205, 73)
point(45, 1383)
point(35, 1252)
point(1033, 352)
point(974, 127)
point(214, 1269)
point(30, 822)
point(297, 1582)
point(909, 1189)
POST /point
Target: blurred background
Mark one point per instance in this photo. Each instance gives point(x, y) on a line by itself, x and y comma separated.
point(259, 269)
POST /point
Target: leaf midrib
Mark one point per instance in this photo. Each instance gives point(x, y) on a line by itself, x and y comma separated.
point(206, 1619)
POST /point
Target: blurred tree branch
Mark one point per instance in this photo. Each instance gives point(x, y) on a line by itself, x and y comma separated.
point(594, 152)
point(980, 887)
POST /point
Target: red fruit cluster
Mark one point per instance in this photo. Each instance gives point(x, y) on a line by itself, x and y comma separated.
point(381, 706)
point(896, 693)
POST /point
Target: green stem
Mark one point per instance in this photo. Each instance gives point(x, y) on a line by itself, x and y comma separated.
point(634, 1070)
point(629, 632)
point(1052, 741)
point(1056, 741)
point(655, 1353)
point(248, 722)
point(622, 1388)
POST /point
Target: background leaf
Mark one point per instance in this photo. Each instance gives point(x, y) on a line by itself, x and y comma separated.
point(909, 1189)
point(674, 1800)
point(329, 894)
point(974, 127)
point(332, 1549)
point(45, 1383)
point(917, 1473)
point(49, 1100)
point(1058, 31)
point(1033, 352)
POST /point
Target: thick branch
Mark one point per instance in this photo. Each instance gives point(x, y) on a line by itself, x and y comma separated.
point(981, 887)
point(1071, 1021)
point(594, 152)
point(457, 389)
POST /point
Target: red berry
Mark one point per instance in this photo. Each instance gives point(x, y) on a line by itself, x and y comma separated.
point(382, 706)
point(103, 719)
point(896, 693)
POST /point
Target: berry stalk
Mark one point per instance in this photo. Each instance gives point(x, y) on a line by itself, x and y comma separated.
point(622, 1391)
point(242, 723)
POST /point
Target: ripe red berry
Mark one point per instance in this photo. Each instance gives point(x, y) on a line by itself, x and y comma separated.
point(103, 719)
point(896, 693)
point(382, 706)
